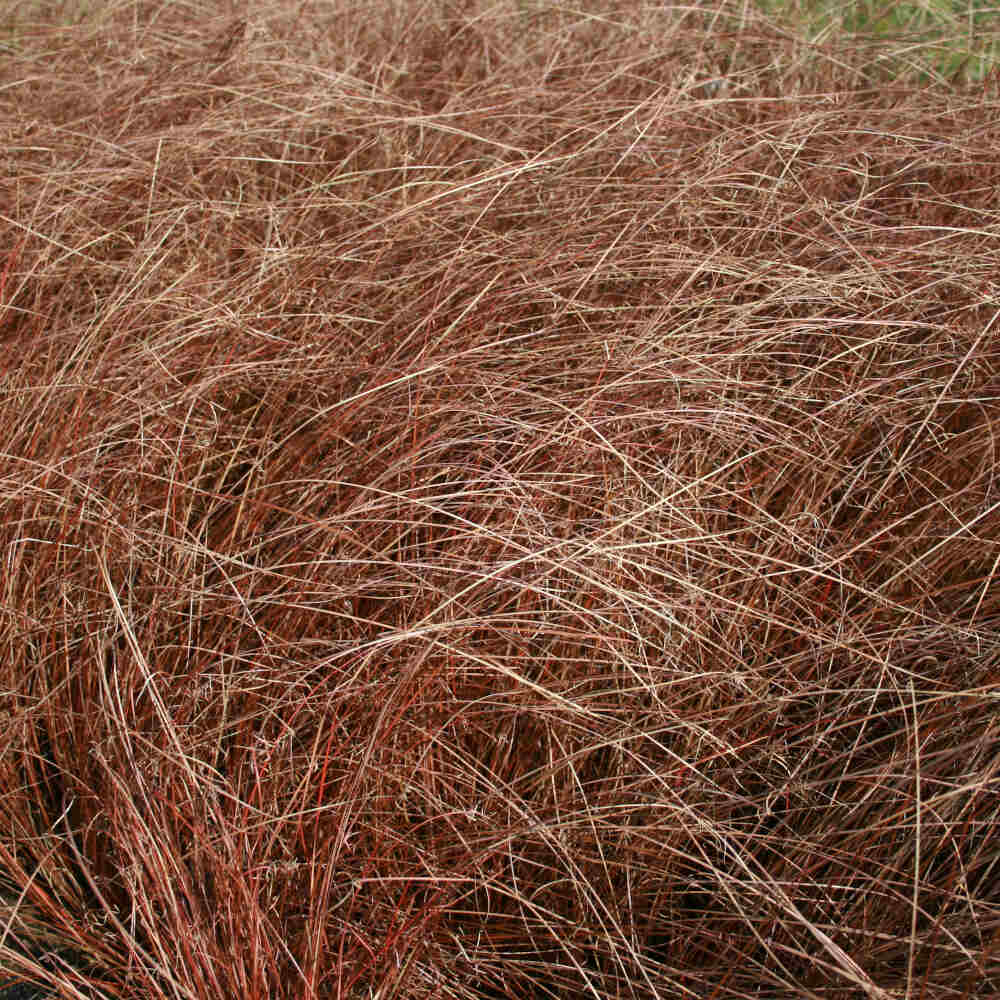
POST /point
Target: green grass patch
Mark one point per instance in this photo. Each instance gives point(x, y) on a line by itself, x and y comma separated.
point(942, 40)
point(22, 19)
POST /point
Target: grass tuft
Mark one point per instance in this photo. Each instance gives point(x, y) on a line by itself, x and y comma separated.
point(496, 500)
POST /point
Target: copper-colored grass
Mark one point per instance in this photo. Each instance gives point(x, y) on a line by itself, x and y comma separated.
point(496, 500)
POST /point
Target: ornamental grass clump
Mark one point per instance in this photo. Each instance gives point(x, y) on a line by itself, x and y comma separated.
point(496, 500)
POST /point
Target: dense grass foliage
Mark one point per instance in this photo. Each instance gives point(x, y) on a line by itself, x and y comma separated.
point(496, 500)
